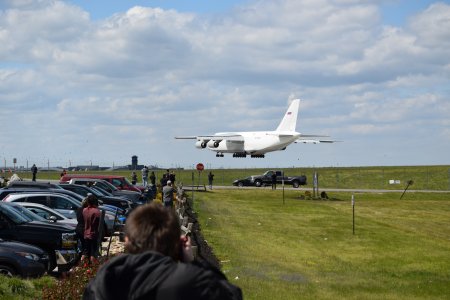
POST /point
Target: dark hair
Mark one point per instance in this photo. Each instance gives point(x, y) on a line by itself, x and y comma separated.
point(92, 200)
point(153, 227)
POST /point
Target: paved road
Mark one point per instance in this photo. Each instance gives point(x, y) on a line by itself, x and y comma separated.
point(328, 189)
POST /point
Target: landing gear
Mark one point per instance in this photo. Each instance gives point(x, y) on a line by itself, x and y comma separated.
point(219, 154)
point(240, 154)
point(257, 156)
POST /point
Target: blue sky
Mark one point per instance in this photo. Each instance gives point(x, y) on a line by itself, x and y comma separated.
point(99, 81)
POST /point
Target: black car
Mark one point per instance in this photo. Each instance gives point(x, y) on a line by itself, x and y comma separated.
point(110, 200)
point(21, 259)
point(244, 182)
point(133, 196)
point(56, 239)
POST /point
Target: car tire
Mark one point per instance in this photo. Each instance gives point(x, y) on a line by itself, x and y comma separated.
point(258, 183)
point(240, 184)
point(295, 184)
point(7, 271)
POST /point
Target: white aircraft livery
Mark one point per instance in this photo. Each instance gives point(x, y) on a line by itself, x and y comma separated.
point(257, 143)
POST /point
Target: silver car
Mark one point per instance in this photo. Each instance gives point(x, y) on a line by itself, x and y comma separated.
point(48, 213)
point(63, 204)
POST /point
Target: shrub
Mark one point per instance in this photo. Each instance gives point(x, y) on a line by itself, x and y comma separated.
point(72, 285)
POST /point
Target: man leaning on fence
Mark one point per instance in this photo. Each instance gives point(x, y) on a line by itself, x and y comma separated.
point(158, 265)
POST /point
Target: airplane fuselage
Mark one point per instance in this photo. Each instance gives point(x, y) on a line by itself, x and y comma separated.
point(254, 142)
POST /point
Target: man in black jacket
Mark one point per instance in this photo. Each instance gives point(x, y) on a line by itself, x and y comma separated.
point(159, 264)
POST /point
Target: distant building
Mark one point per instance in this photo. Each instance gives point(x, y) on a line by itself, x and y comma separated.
point(134, 162)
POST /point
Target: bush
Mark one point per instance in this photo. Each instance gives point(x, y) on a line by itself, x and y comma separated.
point(72, 285)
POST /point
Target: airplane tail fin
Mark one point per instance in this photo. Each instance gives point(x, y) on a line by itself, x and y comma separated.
point(289, 121)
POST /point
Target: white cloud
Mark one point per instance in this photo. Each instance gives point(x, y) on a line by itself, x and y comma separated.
point(147, 74)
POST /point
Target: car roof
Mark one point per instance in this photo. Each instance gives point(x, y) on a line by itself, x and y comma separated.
point(23, 195)
point(27, 183)
point(87, 179)
point(92, 176)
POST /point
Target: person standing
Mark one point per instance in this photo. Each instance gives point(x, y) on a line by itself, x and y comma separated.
point(133, 178)
point(172, 177)
point(79, 229)
point(168, 194)
point(274, 180)
point(34, 171)
point(144, 176)
point(210, 180)
point(152, 178)
point(91, 216)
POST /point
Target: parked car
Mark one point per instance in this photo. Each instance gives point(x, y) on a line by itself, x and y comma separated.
point(32, 184)
point(22, 259)
point(109, 208)
point(111, 200)
point(47, 213)
point(266, 179)
point(248, 181)
point(57, 240)
point(65, 205)
point(121, 182)
point(108, 187)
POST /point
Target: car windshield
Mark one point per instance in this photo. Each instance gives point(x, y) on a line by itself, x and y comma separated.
point(28, 214)
point(128, 183)
point(106, 185)
point(100, 191)
point(14, 215)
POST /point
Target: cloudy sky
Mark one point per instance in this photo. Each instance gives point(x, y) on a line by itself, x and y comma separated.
point(96, 82)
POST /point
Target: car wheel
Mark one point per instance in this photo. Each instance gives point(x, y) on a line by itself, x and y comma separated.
point(7, 271)
point(295, 184)
point(258, 183)
point(240, 184)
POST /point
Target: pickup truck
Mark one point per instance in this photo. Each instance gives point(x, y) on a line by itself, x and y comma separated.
point(59, 241)
point(266, 179)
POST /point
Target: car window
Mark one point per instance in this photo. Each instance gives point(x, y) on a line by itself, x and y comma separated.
point(13, 215)
point(108, 187)
point(116, 182)
point(41, 199)
point(26, 213)
point(60, 203)
point(43, 213)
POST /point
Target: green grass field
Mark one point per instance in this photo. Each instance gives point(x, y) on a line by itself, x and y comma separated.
point(424, 177)
point(305, 249)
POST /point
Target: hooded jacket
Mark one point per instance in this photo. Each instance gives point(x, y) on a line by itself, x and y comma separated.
point(150, 275)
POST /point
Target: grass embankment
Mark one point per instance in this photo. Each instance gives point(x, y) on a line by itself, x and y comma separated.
point(305, 249)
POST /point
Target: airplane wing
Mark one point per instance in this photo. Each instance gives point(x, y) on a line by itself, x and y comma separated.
point(314, 141)
point(218, 136)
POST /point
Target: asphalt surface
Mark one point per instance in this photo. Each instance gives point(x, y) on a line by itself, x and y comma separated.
point(288, 187)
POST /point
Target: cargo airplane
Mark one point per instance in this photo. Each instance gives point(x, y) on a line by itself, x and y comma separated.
point(257, 143)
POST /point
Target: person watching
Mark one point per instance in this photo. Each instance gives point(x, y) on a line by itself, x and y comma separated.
point(158, 264)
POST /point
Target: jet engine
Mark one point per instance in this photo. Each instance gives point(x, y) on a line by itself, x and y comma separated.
point(200, 144)
point(213, 144)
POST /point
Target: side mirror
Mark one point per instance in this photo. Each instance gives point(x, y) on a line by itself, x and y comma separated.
point(52, 219)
